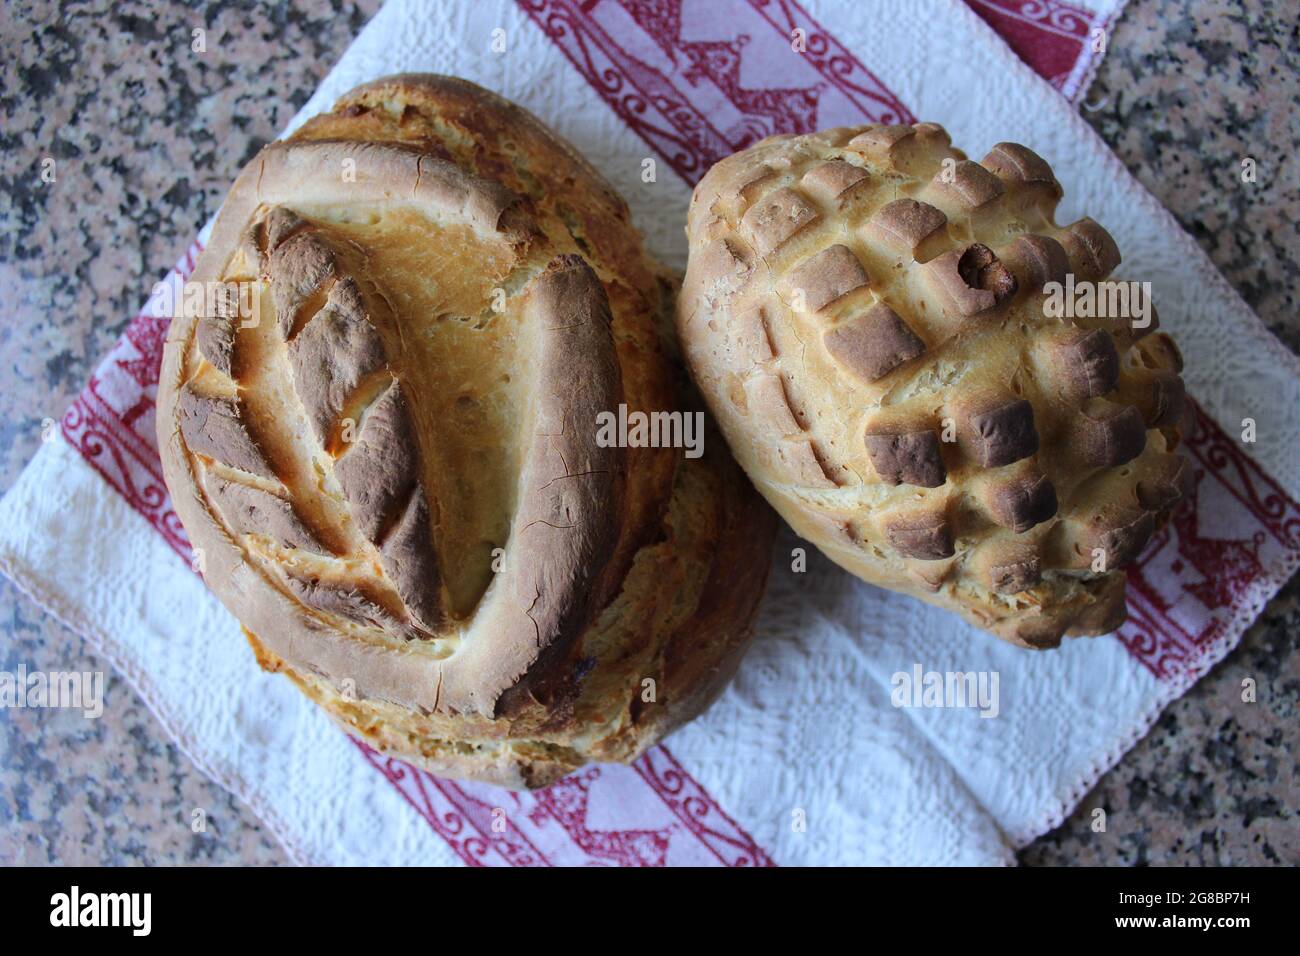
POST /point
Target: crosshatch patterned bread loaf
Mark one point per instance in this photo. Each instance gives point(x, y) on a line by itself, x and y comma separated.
point(390, 472)
point(864, 312)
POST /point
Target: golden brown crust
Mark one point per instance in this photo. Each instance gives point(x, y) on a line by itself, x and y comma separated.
point(935, 430)
point(449, 297)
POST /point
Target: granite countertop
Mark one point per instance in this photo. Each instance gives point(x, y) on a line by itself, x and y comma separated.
point(147, 135)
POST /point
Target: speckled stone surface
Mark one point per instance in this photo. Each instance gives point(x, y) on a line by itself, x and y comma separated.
point(147, 134)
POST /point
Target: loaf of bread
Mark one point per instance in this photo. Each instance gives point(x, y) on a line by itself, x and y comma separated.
point(382, 438)
point(899, 346)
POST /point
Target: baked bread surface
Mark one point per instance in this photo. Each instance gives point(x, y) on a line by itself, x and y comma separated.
point(390, 472)
point(864, 311)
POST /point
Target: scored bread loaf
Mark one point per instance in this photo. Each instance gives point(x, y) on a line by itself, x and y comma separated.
point(390, 467)
point(869, 314)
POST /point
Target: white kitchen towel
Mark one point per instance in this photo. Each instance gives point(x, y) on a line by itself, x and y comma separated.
point(1062, 42)
point(805, 759)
